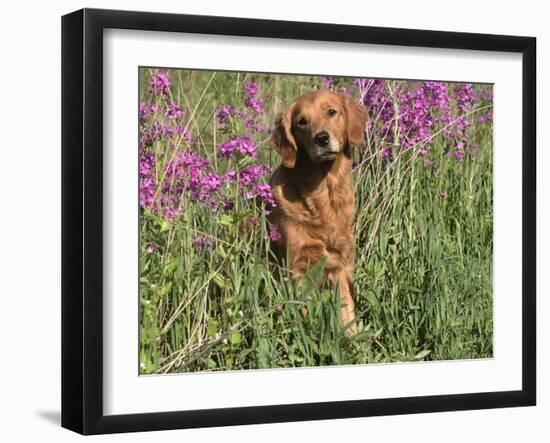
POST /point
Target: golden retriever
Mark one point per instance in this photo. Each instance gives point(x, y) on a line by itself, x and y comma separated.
point(312, 188)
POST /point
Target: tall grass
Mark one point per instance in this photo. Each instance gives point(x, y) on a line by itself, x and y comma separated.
point(212, 298)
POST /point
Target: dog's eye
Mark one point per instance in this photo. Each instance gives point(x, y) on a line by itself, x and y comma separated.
point(302, 121)
point(332, 112)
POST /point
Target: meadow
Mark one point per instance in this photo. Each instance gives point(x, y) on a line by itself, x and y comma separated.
point(211, 295)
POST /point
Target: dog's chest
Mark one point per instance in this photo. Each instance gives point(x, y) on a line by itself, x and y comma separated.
point(324, 213)
point(328, 211)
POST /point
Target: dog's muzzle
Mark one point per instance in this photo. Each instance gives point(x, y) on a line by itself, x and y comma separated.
point(322, 139)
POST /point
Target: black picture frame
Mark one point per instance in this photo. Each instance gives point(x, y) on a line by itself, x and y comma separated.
point(82, 218)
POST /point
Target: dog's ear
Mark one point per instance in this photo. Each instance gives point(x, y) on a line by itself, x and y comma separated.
point(282, 138)
point(357, 120)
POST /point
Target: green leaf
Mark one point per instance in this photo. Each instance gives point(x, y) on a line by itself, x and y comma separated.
point(212, 328)
point(235, 338)
point(150, 367)
point(422, 354)
point(371, 298)
point(226, 220)
point(229, 362)
point(219, 280)
point(244, 161)
point(171, 266)
point(221, 251)
point(164, 226)
point(165, 289)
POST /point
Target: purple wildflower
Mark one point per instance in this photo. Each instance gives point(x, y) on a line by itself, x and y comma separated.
point(229, 176)
point(185, 174)
point(228, 204)
point(147, 189)
point(422, 113)
point(211, 182)
point(223, 113)
point(328, 82)
point(458, 154)
point(485, 118)
point(249, 123)
point(171, 212)
point(202, 244)
point(145, 111)
point(146, 163)
point(147, 181)
point(485, 94)
point(244, 145)
point(251, 174)
point(251, 89)
point(464, 97)
point(160, 83)
point(148, 135)
point(274, 234)
point(254, 104)
point(263, 191)
point(415, 120)
point(385, 154)
point(182, 132)
point(174, 112)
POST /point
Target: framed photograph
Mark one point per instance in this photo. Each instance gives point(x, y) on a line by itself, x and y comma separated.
point(270, 221)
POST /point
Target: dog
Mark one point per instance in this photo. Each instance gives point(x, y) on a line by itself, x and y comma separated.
point(315, 136)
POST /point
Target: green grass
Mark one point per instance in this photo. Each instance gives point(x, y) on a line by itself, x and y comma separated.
point(423, 277)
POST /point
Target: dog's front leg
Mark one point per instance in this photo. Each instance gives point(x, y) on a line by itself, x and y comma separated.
point(347, 310)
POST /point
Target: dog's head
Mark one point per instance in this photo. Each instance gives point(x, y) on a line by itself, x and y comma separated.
point(320, 124)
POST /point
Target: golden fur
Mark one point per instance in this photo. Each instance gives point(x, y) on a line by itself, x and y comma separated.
point(313, 190)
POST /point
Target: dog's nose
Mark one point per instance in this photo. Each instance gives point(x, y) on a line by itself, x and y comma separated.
point(322, 139)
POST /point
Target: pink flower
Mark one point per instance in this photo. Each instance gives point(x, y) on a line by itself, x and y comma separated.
point(274, 234)
point(251, 89)
point(202, 244)
point(458, 154)
point(174, 112)
point(255, 105)
point(160, 83)
point(224, 113)
point(385, 154)
point(244, 145)
point(328, 82)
